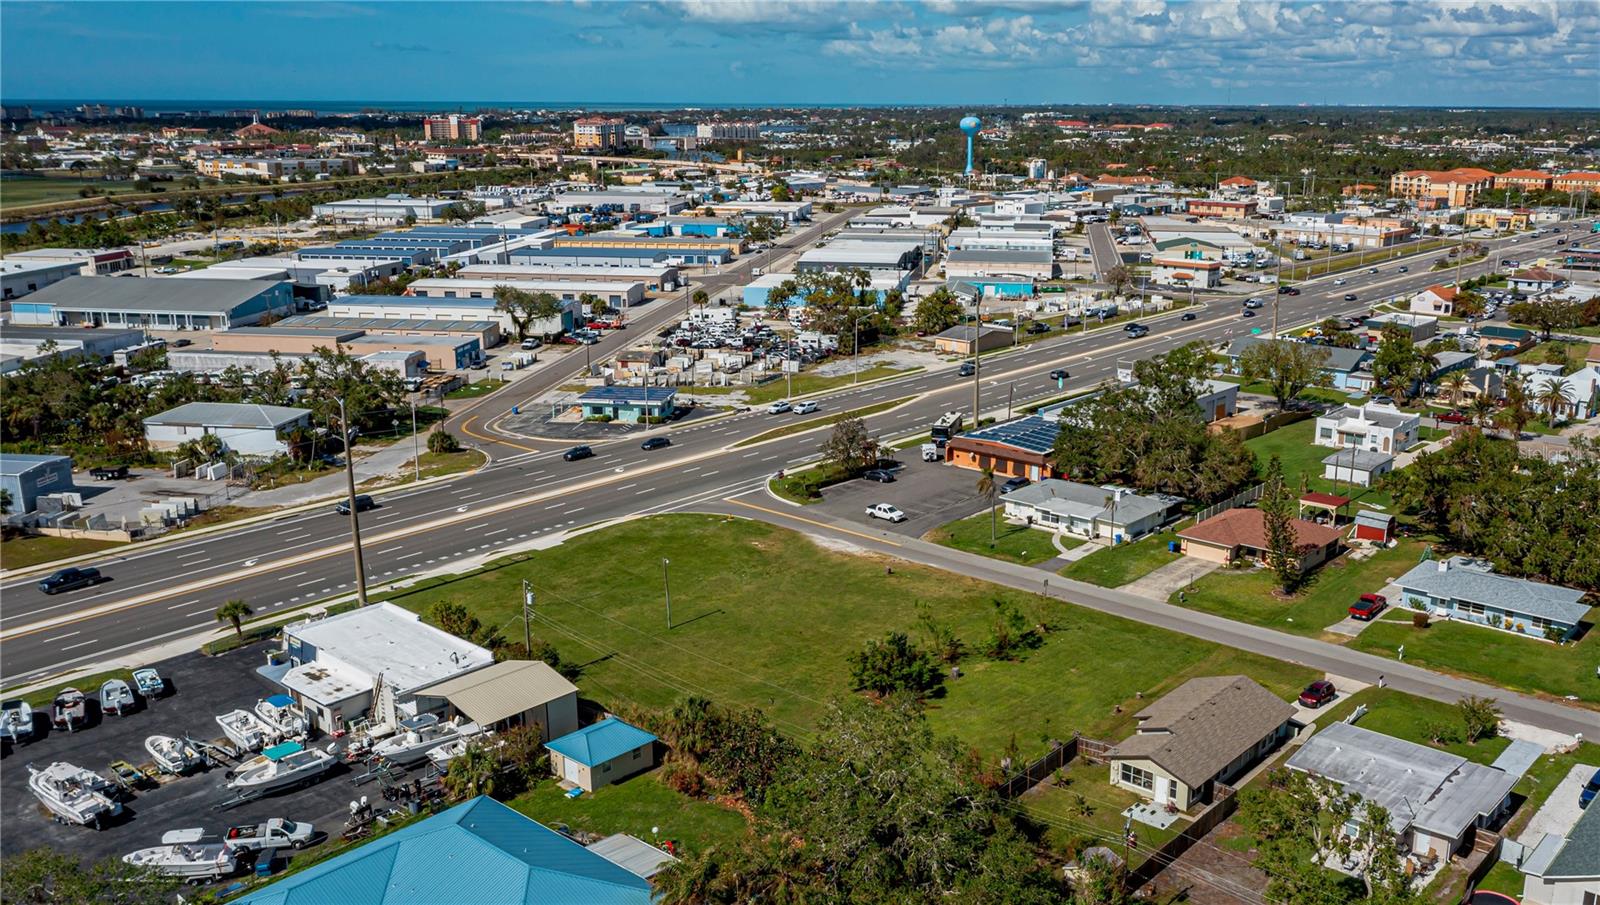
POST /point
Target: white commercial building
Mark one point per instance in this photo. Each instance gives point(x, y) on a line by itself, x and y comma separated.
point(617, 293)
point(244, 428)
point(408, 308)
point(20, 277)
point(1373, 427)
point(386, 211)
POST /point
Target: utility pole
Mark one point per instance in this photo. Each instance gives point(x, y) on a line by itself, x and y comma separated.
point(977, 328)
point(350, 501)
point(527, 617)
point(666, 587)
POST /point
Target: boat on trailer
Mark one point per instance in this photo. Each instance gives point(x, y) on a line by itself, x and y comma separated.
point(181, 854)
point(280, 766)
point(245, 729)
point(74, 795)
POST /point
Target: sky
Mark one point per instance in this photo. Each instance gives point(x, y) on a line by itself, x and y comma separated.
point(1357, 52)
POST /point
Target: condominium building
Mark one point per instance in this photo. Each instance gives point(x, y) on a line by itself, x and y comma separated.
point(597, 132)
point(1527, 180)
point(453, 127)
point(1576, 182)
point(273, 167)
point(727, 131)
point(1450, 188)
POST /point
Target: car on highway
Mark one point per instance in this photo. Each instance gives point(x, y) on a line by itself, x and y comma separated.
point(1252, 303)
point(363, 503)
point(1404, 269)
point(182, 343)
point(779, 407)
point(1038, 327)
point(576, 453)
point(1136, 330)
point(1318, 693)
point(880, 475)
point(1368, 606)
point(1247, 313)
point(1016, 483)
point(655, 443)
point(804, 408)
point(69, 579)
point(1349, 296)
point(886, 511)
point(967, 369)
point(1059, 374)
point(1372, 270)
point(1589, 791)
point(1340, 281)
point(1187, 316)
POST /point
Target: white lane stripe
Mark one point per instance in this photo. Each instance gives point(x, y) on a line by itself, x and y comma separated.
point(496, 531)
point(390, 550)
point(311, 581)
point(81, 644)
point(62, 637)
point(295, 575)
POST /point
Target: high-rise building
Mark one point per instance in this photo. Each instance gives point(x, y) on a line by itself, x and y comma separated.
point(727, 131)
point(597, 132)
point(453, 127)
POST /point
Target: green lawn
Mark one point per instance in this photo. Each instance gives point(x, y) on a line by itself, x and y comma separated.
point(1570, 355)
point(806, 424)
point(804, 486)
point(763, 617)
point(1088, 807)
point(1246, 594)
point(1013, 543)
point(1501, 658)
point(805, 384)
point(30, 550)
point(1115, 566)
point(89, 685)
point(474, 390)
point(431, 465)
point(24, 192)
point(1303, 460)
point(1262, 388)
point(634, 806)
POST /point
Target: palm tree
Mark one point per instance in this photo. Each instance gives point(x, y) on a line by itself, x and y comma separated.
point(1482, 409)
point(472, 772)
point(990, 491)
point(1517, 412)
point(1554, 396)
point(235, 611)
point(1455, 386)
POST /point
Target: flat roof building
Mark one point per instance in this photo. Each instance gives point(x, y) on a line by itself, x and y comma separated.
point(860, 255)
point(20, 277)
point(393, 209)
point(25, 478)
point(991, 262)
point(199, 304)
point(420, 308)
point(617, 293)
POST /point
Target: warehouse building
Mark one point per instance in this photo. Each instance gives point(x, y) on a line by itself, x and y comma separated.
point(626, 202)
point(569, 256)
point(26, 478)
point(675, 246)
point(21, 344)
point(987, 262)
point(335, 275)
point(198, 304)
point(243, 428)
point(486, 332)
point(447, 309)
point(860, 255)
point(880, 283)
point(616, 293)
point(20, 277)
point(656, 277)
point(90, 262)
point(389, 210)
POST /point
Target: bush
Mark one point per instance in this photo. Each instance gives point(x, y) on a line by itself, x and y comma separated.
point(894, 664)
point(1480, 718)
point(1010, 634)
point(442, 441)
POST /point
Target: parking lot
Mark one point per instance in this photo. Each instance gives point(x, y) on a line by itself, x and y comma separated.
point(200, 689)
point(929, 493)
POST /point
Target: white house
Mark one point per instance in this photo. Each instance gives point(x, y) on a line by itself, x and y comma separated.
point(1084, 510)
point(1439, 301)
point(1565, 870)
point(244, 428)
point(1582, 392)
point(1379, 428)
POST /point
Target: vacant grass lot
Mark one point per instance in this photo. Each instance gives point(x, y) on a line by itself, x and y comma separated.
point(1013, 543)
point(805, 384)
point(1114, 567)
point(1301, 458)
point(763, 617)
point(1246, 595)
point(475, 389)
point(23, 192)
point(804, 423)
point(1504, 659)
point(634, 806)
point(28, 550)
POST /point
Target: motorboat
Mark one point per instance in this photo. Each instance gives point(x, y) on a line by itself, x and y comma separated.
point(172, 755)
point(149, 683)
point(282, 716)
point(16, 721)
point(416, 737)
point(70, 710)
point(74, 795)
point(181, 854)
point(244, 729)
point(467, 734)
point(281, 765)
point(116, 698)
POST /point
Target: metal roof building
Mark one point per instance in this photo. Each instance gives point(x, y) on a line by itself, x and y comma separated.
point(513, 693)
point(479, 851)
point(606, 740)
point(194, 304)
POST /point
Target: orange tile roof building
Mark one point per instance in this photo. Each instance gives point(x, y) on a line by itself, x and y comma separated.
point(1452, 188)
point(1576, 182)
point(1528, 180)
point(1242, 534)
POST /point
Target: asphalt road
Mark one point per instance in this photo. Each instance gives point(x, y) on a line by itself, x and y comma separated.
point(172, 590)
point(1107, 253)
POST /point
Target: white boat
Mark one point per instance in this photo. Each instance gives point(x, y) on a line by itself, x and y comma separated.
point(245, 730)
point(417, 736)
point(467, 734)
point(116, 698)
point(16, 721)
point(74, 795)
point(282, 716)
point(182, 854)
point(149, 682)
point(70, 710)
point(281, 765)
point(172, 755)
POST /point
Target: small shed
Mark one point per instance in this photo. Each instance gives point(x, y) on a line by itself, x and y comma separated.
point(1377, 527)
point(596, 756)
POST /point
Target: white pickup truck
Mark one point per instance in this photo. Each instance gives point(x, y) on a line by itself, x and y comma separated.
point(274, 833)
point(886, 511)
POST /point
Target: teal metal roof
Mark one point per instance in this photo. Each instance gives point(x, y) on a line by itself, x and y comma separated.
point(594, 745)
point(479, 851)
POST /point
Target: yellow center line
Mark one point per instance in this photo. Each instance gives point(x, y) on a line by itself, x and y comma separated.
point(797, 518)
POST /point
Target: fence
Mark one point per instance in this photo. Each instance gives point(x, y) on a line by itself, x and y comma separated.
point(1223, 804)
point(1059, 755)
point(1242, 498)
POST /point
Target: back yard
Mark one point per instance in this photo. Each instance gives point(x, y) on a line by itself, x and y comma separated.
point(1302, 465)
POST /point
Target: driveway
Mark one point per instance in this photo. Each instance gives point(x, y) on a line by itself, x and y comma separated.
point(1560, 810)
point(1170, 578)
point(929, 493)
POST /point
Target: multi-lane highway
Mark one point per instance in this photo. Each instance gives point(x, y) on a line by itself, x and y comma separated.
point(172, 589)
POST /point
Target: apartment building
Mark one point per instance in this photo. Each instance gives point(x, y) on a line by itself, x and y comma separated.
point(1576, 182)
point(1221, 208)
point(727, 131)
point(1448, 188)
point(597, 133)
point(273, 167)
point(453, 127)
point(1527, 180)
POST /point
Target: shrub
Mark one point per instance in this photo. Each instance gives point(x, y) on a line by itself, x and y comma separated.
point(894, 664)
point(1010, 633)
point(1480, 718)
point(442, 441)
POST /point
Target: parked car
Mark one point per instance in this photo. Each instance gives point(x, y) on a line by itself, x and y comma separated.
point(69, 579)
point(1318, 693)
point(576, 453)
point(655, 443)
point(1383, 400)
point(531, 344)
point(886, 511)
point(1452, 417)
point(779, 407)
point(967, 369)
point(1590, 790)
point(881, 475)
point(804, 408)
point(110, 473)
point(1014, 484)
point(181, 343)
point(1369, 606)
point(1038, 327)
point(1059, 374)
point(363, 503)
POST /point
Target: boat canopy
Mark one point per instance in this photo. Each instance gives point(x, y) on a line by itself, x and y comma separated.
point(279, 752)
point(281, 700)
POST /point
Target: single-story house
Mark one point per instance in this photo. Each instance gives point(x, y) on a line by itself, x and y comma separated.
point(1436, 300)
point(1018, 448)
point(1377, 527)
point(1495, 340)
point(1360, 467)
point(608, 751)
point(958, 340)
point(1435, 799)
point(1207, 730)
point(1379, 428)
point(625, 403)
point(25, 478)
point(1085, 510)
point(1534, 279)
point(1346, 369)
point(1570, 874)
point(1466, 589)
point(1582, 392)
point(1242, 534)
point(509, 694)
point(244, 428)
point(480, 845)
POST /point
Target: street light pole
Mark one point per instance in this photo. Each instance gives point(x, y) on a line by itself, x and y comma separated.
point(416, 451)
point(527, 617)
point(350, 501)
point(977, 329)
point(666, 587)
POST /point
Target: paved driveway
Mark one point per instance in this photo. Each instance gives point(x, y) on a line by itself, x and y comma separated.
point(1560, 810)
point(929, 493)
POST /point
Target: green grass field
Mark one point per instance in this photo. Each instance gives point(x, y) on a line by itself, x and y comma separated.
point(1502, 658)
point(804, 384)
point(1088, 807)
point(16, 193)
point(634, 806)
point(1302, 462)
point(1013, 543)
point(475, 389)
point(1114, 567)
point(763, 617)
point(30, 550)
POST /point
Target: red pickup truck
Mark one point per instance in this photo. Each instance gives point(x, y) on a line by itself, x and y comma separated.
point(1369, 606)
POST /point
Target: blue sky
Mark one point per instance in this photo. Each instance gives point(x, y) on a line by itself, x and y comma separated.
point(1420, 52)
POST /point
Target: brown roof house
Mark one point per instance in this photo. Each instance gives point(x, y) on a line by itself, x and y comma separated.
point(1207, 730)
point(1242, 534)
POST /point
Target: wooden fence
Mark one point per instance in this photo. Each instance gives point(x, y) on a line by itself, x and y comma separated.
point(1059, 755)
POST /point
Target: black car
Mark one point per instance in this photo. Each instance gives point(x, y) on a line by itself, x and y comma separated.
point(1059, 374)
point(363, 503)
point(1038, 327)
point(1292, 291)
point(967, 369)
point(1284, 290)
point(180, 343)
point(1014, 484)
point(1349, 296)
point(576, 453)
point(69, 580)
point(881, 475)
point(1404, 269)
point(1247, 313)
point(1187, 316)
point(655, 443)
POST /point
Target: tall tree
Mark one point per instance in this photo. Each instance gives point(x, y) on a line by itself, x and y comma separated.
point(1277, 507)
point(1553, 397)
point(235, 611)
point(936, 312)
point(45, 876)
point(1287, 367)
point(849, 446)
point(990, 491)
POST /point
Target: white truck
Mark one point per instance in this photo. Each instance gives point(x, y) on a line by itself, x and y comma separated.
point(274, 833)
point(886, 511)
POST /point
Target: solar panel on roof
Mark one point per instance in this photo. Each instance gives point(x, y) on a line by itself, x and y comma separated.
point(1033, 433)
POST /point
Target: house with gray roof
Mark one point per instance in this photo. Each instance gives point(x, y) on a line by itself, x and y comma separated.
point(1360, 467)
point(244, 428)
point(1435, 799)
point(1084, 510)
point(1570, 874)
point(1208, 730)
point(1469, 590)
point(1379, 428)
point(1346, 369)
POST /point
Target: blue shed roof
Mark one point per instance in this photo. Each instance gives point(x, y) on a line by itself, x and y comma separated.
point(594, 745)
point(481, 846)
point(622, 394)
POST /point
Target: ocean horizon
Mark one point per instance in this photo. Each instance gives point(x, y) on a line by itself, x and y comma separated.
point(347, 106)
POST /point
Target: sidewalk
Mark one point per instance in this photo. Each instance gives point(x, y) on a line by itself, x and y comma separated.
point(390, 460)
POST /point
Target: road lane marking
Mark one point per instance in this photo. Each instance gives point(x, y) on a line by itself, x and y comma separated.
point(61, 637)
point(203, 552)
point(81, 644)
point(295, 575)
point(496, 531)
point(390, 550)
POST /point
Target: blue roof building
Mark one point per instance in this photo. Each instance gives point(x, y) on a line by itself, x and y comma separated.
point(479, 851)
point(1464, 589)
point(598, 755)
point(622, 403)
